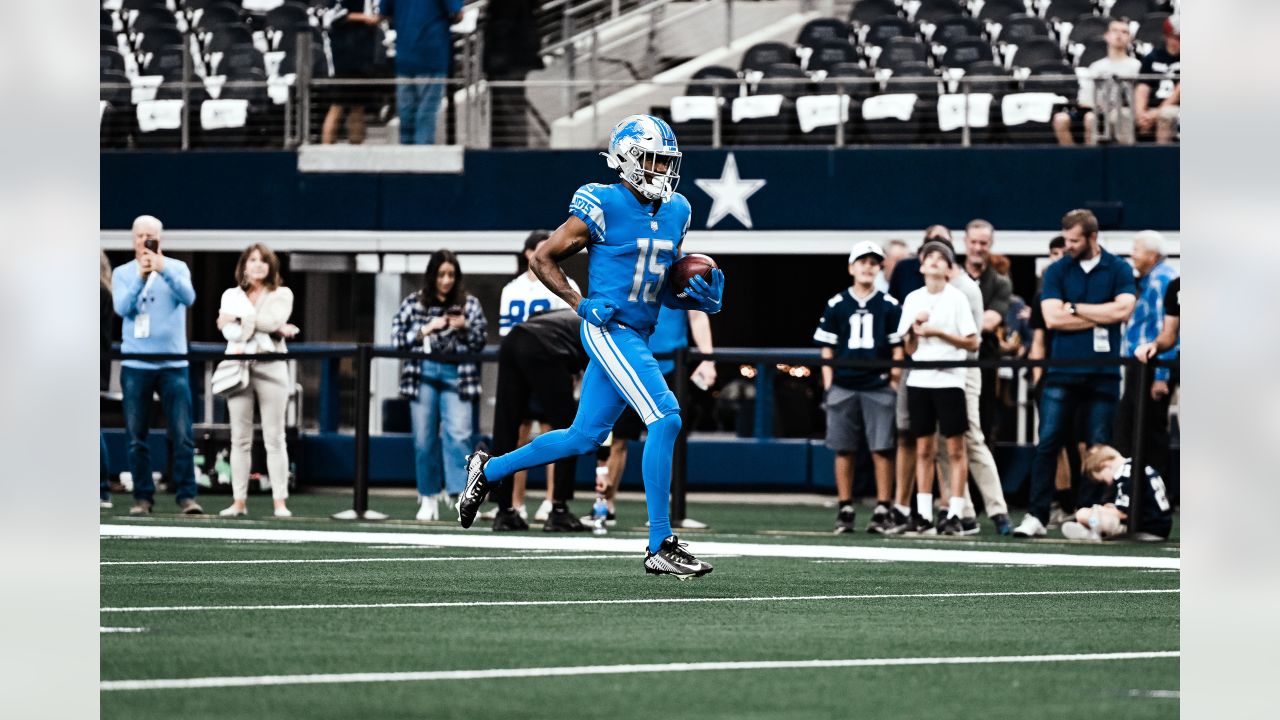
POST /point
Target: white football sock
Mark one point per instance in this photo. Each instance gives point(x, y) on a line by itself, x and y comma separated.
point(924, 504)
point(957, 506)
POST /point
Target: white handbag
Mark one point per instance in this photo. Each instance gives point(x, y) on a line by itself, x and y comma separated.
point(230, 377)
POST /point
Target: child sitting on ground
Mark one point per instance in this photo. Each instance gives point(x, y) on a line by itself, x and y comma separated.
point(1105, 464)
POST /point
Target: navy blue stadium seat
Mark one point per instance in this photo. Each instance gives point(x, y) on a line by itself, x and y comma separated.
point(166, 61)
point(1093, 50)
point(225, 38)
point(964, 53)
point(885, 29)
point(288, 15)
point(1132, 9)
point(1068, 10)
point(698, 132)
point(762, 55)
point(157, 37)
point(785, 79)
point(853, 71)
point(1151, 28)
point(109, 58)
point(832, 52)
point(1017, 28)
point(902, 50)
point(998, 10)
point(1000, 81)
point(1036, 51)
point(958, 27)
point(932, 11)
point(864, 12)
point(820, 30)
point(1088, 27)
point(712, 72)
point(219, 15)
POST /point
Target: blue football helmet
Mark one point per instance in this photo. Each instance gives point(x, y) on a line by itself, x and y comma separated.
point(638, 148)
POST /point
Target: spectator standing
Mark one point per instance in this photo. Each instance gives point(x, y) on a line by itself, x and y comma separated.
point(354, 41)
point(441, 318)
point(1168, 337)
point(861, 323)
point(1087, 295)
point(254, 318)
point(996, 289)
point(522, 299)
point(511, 52)
point(106, 319)
point(1154, 277)
point(152, 293)
point(423, 51)
point(1156, 102)
point(1099, 93)
point(937, 324)
point(538, 363)
point(894, 250)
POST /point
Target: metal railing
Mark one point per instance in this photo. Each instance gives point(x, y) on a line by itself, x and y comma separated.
point(364, 355)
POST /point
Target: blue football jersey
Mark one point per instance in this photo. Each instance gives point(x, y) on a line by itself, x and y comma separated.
point(631, 248)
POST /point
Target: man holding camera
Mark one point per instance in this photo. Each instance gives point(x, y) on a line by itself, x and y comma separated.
point(152, 293)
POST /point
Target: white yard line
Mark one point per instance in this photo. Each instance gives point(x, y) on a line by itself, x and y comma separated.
point(121, 630)
point(332, 678)
point(323, 561)
point(633, 601)
point(490, 541)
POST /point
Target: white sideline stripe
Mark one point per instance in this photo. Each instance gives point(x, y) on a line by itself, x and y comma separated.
point(491, 541)
point(331, 678)
point(121, 630)
point(322, 561)
point(634, 601)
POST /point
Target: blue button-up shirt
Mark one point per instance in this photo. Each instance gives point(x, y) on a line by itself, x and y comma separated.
point(1065, 280)
point(1148, 315)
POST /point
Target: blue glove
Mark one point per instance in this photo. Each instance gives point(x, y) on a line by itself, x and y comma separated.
point(596, 311)
point(709, 297)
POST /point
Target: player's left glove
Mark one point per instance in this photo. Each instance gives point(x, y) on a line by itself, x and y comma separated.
point(710, 297)
point(596, 311)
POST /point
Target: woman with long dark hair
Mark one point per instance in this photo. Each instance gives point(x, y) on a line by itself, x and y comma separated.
point(441, 319)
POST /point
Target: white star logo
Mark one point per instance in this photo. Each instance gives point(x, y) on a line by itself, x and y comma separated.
point(729, 194)
point(653, 225)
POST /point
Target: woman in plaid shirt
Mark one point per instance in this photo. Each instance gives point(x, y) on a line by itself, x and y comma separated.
point(440, 319)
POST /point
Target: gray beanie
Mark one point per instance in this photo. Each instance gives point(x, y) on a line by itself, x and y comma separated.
point(939, 246)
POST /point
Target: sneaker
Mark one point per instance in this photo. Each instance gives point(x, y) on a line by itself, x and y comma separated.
point(509, 521)
point(233, 511)
point(881, 521)
point(141, 507)
point(673, 558)
point(920, 526)
point(1057, 516)
point(1030, 527)
point(104, 504)
point(490, 514)
point(191, 507)
point(969, 526)
point(428, 508)
point(544, 510)
point(282, 512)
point(477, 488)
point(844, 520)
point(1073, 530)
point(1003, 526)
point(522, 511)
point(610, 520)
point(950, 526)
point(897, 524)
point(563, 521)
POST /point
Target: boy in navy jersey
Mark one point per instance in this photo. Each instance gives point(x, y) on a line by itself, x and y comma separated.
point(858, 323)
point(1105, 464)
point(632, 232)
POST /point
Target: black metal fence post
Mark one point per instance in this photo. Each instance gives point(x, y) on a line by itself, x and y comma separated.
point(1138, 468)
point(360, 485)
point(678, 467)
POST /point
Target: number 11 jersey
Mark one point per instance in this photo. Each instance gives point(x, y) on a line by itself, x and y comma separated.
point(863, 329)
point(631, 248)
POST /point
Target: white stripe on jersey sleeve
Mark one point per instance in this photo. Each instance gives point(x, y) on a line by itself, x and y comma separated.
point(588, 204)
point(823, 336)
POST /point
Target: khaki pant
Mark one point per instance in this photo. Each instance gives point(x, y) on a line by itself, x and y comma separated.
point(982, 465)
point(270, 382)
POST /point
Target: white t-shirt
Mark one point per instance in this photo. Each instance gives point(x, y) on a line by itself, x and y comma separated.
point(948, 311)
point(1106, 68)
point(522, 298)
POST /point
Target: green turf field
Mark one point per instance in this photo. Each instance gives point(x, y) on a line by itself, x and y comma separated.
point(588, 610)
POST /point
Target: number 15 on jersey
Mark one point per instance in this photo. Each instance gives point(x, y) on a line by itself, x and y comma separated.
point(650, 272)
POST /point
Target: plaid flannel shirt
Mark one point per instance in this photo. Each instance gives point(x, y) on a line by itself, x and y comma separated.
point(1148, 315)
point(405, 331)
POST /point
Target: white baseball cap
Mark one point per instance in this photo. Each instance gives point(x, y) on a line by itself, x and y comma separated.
point(865, 247)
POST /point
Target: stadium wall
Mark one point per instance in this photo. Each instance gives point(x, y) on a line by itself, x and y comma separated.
point(1017, 188)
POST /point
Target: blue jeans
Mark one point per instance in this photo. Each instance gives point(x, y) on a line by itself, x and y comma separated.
point(1063, 396)
point(138, 386)
point(418, 104)
point(441, 430)
point(104, 475)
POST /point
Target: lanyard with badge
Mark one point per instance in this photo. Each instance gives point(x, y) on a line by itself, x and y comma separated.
point(142, 321)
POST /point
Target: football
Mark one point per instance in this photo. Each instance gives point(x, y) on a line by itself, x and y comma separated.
point(683, 270)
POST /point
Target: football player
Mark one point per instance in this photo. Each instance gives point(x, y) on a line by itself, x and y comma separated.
point(632, 232)
point(860, 322)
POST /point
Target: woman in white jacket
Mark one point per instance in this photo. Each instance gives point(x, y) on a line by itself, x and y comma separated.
point(254, 318)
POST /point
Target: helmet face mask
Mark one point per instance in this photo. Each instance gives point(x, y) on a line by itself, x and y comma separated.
point(643, 149)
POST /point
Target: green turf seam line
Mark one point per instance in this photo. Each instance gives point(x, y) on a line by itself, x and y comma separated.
point(490, 541)
point(638, 601)
point(332, 678)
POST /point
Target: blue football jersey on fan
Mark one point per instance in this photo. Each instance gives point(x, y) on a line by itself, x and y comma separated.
point(631, 248)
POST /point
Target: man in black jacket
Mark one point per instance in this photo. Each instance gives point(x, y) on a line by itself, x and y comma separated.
point(511, 51)
point(538, 360)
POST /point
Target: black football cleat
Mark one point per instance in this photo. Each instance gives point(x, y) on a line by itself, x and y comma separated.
point(561, 520)
point(898, 523)
point(477, 488)
point(673, 559)
point(844, 520)
point(509, 521)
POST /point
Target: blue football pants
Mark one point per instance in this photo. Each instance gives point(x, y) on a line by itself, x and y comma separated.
point(622, 372)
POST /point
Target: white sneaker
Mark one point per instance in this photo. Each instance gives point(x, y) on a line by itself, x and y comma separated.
point(104, 504)
point(1030, 527)
point(544, 510)
point(282, 512)
point(1073, 530)
point(233, 511)
point(1057, 517)
point(488, 514)
point(522, 511)
point(429, 509)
